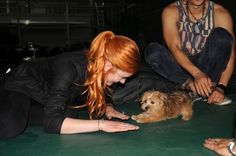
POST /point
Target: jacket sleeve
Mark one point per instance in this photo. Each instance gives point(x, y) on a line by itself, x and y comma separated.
point(61, 78)
point(108, 97)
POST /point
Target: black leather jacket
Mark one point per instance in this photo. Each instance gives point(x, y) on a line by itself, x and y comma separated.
point(51, 82)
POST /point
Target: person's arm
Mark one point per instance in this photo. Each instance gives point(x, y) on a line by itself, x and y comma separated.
point(223, 19)
point(62, 76)
point(171, 35)
point(72, 126)
point(170, 17)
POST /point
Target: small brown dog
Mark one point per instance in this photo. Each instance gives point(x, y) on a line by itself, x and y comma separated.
point(159, 106)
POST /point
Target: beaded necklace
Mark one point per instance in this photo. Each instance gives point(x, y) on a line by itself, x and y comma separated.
point(198, 25)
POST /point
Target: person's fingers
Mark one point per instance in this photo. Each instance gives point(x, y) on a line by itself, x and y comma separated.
point(209, 84)
point(126, 127)
point(213, 142)
point(116, 126)
point(192, 87)
point(205, 90)
point(210, 98)
point(208, 88)
point(209, 81)
point(215, 97)
point(201, 90)
point(109, 117)
point(208, 145)
point(197, 89)
point(203, 86)
point(219, 139)
point(123, 116)
point(218, 100)
point(121, 127)
point(206, 85)
point(117, 115)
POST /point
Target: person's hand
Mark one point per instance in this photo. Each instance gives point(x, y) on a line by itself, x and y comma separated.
point(218, 145)
point(116, 126)
point(202, 84)
point(217, 96)
point(190, 86)
point(112, 113)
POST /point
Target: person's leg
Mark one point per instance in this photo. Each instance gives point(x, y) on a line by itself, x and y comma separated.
point(216, 53)
point(35, 116)
point(14, 112)
point(162, 62)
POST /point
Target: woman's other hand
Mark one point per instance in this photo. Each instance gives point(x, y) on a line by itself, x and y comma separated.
point(112, 113)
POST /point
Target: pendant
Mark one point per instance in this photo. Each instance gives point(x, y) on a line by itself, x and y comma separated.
point(197, 27)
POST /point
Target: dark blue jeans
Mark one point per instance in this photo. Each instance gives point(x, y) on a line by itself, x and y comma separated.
point(212, 60)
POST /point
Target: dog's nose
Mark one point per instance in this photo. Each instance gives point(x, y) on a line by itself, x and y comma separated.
point(144, 108)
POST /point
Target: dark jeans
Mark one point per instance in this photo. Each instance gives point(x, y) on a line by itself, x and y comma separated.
point(212, 60)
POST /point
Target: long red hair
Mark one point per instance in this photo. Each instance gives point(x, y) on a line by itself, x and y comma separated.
point(122, 52)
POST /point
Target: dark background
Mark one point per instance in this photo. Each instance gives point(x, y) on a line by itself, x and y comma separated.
point(42, 28)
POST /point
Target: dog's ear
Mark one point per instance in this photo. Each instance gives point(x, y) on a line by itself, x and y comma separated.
point(143, 97)
point(146, 94)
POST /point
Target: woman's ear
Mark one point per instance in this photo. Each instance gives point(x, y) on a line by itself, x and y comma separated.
point(107, 66)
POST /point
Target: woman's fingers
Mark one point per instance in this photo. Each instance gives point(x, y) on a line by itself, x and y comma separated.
point(115, 126)
point(112, 113)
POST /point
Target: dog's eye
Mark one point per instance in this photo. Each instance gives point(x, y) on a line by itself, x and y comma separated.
point(145, 101)
point(152, 102)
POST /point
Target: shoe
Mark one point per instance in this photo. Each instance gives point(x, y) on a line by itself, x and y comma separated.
point(194, 97)
point(226, 101)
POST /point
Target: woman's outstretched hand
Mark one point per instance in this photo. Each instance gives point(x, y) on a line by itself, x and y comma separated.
point(115, 126)
point(112, 113)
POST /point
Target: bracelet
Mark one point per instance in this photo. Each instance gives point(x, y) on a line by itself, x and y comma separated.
point(221, 86)
point(99, 125)
point(230, 148)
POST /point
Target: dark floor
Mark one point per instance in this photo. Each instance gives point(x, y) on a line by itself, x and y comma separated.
point(167, 138)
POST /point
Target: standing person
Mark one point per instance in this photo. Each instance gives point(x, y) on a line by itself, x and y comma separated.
point(60, 80)
point(200, 55)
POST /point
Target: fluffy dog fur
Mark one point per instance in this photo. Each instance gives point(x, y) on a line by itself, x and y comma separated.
point(158, 106)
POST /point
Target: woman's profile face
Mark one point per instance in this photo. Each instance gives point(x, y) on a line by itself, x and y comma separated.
point(115, 75)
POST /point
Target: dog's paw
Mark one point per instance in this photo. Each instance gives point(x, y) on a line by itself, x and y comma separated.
point(134, 117)
point(139, 121)
point(137, 118)
point(186, 118)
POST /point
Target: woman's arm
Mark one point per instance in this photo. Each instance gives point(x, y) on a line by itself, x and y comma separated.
point(72, 126)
